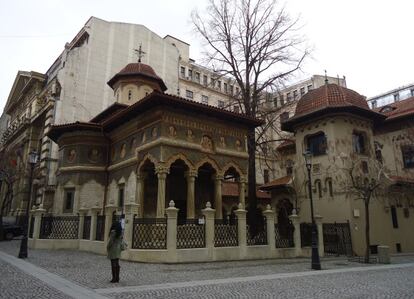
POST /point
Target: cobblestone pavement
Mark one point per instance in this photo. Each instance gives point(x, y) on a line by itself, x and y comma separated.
point(17, 284)
point(186, 280)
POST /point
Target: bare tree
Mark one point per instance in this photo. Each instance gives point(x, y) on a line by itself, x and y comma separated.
point(257, 44)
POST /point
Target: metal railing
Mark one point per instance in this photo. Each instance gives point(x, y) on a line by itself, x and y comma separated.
point(149, 233)
point(59, 227)
point(261, 236)
point(284, 236)
point(191, 234)
point(225, 234)
point(306, 234)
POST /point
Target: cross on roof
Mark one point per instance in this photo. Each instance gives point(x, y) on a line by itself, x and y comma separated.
point(139, 52)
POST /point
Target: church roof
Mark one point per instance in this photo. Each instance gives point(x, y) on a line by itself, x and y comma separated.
point(137, 70)
point(330, 98)
point(108, 112)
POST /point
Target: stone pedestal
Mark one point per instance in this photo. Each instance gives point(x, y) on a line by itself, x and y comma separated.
point(209, 213)
point(172, 213)
point(296, 234)
point(321, 247)
point(270, 225)
point(37, 222)
point(241, 227)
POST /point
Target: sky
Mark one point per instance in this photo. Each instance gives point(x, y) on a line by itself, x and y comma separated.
point(368, 41)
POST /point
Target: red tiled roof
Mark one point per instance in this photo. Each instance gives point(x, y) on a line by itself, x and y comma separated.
point(232, 189)
point(280, 182)
point(136, 70)
point(402, 180)
point(400, 109)
point(330, 98)
point(286, 144)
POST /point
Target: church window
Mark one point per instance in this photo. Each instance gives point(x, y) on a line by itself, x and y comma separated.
point(289, 167)
point(408, 156)
point(316, 144)
point(129, 95)
point(266, 176)
point(204, 99)
point(237, 91)
point(359, 142)
point(121, 195)
point(69, 198)
point(412, 92)
point(364, 166)
point(189, 94)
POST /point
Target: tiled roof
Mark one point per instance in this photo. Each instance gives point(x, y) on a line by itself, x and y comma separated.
point(399, 109)
point(138, 69)
point(286, 144)
point(329, 95)
point(232, 189)
point(280, 182)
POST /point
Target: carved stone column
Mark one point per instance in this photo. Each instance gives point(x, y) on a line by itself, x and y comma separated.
point(218, 182)
point(242, 195)
point(140, 193)
point(162, 176)
point(191, 176)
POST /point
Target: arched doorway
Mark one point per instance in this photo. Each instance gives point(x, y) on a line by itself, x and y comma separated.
point(204, 187)
point(147, 171)
point(284, 209)
point(177, 188)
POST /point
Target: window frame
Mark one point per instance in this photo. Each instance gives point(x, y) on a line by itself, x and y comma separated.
point(189, 94)
point(67, 191)
point(323, 143)
point(407, 154)
point(356, 147)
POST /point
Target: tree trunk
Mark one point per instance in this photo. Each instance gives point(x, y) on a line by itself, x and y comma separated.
point(367, 240)
point(251, 149)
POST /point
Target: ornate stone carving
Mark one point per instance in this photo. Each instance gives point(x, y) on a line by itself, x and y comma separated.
point(207, 143)
point(190, 135)
point(143, 137)
point(222, 141)
point(238, 145)
point(172, 132)
point(133, 143)
point(94, 155)
point(123, 151)
point(71, 156)
point(154, 132)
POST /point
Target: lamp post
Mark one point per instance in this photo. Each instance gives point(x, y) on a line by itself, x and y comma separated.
point(316, 264)
point(33, 156)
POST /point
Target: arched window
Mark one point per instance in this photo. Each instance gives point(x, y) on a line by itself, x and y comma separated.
point(316, 143)
point(129, 95)
point(318, 186)
point(328, 185)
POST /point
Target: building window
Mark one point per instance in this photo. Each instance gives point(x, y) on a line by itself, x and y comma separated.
point(374, 104)
point(205, 80)
point(412, 92)
point(189, 94)
point(190, 74)
point(182, 72)
point(219, 84)
point(394, 217)
point(204, 99)
point(236, 108)
point(282, 100)
point(231, 89)
point(69, 198)
point(317, 144)
point(266, 176)
point(121, 195)
point(359, 142)
point(288, 97)
point(396, 97)
point(129, 95)
point(364, 167)
point(302, 91)
point(197, 77)
point(275, 102)
point(220, 104)
point(318, 185)
point(295, 94)
point(330, 189)
point(225, 87)
point(309, 87)
point(284, 117)
point(408, 156)
point(289, 167)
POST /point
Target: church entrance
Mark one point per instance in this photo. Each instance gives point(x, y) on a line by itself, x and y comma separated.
point(177, 188)
point(204, 187)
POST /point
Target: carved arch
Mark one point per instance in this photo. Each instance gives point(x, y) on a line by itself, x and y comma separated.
point(235, 166)
point(211, 162)
point(182, 157)
point(147, 157)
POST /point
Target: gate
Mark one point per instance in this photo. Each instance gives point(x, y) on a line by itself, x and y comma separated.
point(337, 239)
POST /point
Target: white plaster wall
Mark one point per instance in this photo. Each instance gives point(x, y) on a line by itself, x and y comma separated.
point(91, 193)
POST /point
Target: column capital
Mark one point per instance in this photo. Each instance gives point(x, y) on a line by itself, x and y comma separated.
point(95, 210)
point(162, 170)
point(131, 208)
point(192, 173)
point(83, 211)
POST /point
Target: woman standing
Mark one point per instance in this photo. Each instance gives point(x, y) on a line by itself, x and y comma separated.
point(114, 249)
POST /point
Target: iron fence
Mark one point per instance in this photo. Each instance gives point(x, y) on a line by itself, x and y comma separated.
point(306, 234)
point(59, 227)
point(149, 233)
point(284, 236)
point(86, 233)
point(31, 226)
point(261, 236)
point(100, 228)
point(191, 234)
point(337, 239)
point(225, 234)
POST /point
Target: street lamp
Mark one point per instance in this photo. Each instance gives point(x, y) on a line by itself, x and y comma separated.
point(32, 160)
point(316, 264)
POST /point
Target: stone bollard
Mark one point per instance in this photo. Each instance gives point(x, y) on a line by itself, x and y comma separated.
point(172, 213)
point(241, 227)
point(38, 213)
point(321, 246)
point(270, 224)
point(296, 234)
point(131, 209)
point(209, 213)
point(384, 255)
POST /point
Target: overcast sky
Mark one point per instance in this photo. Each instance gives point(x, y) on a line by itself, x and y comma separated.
point(369, 41)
